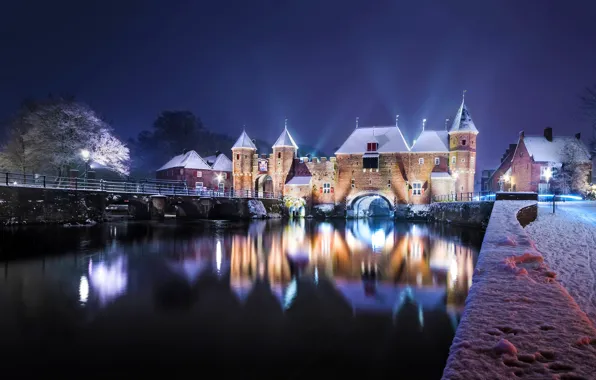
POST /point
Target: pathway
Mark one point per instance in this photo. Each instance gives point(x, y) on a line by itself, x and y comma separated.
point(567, 240)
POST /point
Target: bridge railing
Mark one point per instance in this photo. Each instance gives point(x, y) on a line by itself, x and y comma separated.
point(465, 197)
point(144, 186)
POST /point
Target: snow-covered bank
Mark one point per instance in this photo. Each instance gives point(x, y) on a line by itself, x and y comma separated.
point(567, 240)
point(518, 320)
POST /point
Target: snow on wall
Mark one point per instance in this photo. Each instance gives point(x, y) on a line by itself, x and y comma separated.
point(519, 321)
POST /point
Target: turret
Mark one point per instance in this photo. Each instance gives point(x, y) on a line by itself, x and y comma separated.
point(462, 150)
point(242, 158)
point(284, 152)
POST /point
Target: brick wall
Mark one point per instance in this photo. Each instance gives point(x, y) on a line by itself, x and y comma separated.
point(242, 163)
point(208, 177)
point(323, 171)
point(280, 163)
point(525, 174)
point(462, 146)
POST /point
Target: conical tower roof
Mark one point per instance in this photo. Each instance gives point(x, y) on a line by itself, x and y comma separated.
point(244, 142)
point(463, 121)
point(285, 139)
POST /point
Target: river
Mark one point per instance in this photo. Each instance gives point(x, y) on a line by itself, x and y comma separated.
point(273, 299)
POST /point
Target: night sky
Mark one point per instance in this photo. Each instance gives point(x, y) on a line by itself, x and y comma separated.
point(319, 63)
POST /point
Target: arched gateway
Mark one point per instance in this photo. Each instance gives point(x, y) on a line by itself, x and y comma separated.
point(369, 205)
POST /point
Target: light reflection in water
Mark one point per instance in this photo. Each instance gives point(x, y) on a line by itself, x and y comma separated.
point(83, 290)
point(374, 264)
point(108, 279)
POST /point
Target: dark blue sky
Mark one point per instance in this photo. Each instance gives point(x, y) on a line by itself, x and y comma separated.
point(320, 63)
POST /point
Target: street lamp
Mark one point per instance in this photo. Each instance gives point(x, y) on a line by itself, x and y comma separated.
point(219, 178)
point(86, 155)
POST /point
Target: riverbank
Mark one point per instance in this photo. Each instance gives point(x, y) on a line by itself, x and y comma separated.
point(518, 320)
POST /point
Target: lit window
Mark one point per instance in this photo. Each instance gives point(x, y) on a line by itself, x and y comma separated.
point(181, 171)
point(417, 188)
point(326, 188)
point(353, 184)
point(199, 174)
point(453, 160)
point(437, 161)
point(199, 186)
point(421, 161)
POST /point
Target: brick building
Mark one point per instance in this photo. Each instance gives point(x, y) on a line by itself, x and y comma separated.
point(374, 164)
point(534, 162)
point(211, 174)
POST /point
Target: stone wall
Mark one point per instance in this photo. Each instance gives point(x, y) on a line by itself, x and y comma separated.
point(471, 214)
point(238, 209)
point(322, 171)
point(21, 205)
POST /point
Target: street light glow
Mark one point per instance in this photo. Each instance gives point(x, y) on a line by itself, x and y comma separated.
point(219, 177)
point(85, 154)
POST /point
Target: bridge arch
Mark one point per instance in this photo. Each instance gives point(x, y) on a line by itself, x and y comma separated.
point(370, 204)
point(264, 185)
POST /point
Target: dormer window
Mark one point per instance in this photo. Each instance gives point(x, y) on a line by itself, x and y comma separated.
point(372, 146)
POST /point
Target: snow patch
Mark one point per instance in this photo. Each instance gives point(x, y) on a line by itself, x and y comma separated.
point(256, 209)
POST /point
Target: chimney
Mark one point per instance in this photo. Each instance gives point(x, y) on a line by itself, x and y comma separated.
point(217, 153)
point(521, 135)
point(548, 133)
point(578, 135)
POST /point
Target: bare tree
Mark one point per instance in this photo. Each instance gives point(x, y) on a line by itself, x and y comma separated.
point(588, 105)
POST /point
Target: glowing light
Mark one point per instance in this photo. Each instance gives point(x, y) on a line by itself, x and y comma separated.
point(83, 290)
point(506, 177)
point(219, 178)
point(85, 154)
point(108, 280)
point(548, 173)
point(420, 316)
point(316, 275)
point(218, 255)
point(378, 240)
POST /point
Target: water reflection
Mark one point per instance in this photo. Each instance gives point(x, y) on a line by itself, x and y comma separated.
point(266, 281)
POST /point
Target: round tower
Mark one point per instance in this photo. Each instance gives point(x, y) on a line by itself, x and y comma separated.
point(285, 151)
point(462, 150)
point(242, 159)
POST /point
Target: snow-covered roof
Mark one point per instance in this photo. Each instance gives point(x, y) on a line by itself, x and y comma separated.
point(431, 141)
point(463, 121)
point(188, 160)
point(222, 163)
point(390, 140)
point(244, 142)
point(299, 181)
point(440, 175)
point(285, 139)
point(561, 149)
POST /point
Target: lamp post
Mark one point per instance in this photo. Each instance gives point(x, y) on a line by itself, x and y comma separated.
point(85, 154)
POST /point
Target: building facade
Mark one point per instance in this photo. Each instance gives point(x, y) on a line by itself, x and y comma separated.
point(374, 165)
point(213, 173)
point(547, 163)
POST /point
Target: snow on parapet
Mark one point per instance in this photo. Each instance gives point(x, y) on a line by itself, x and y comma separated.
point(518, 320)
point(463, 121)
point(244, 142)
point(390, 140)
